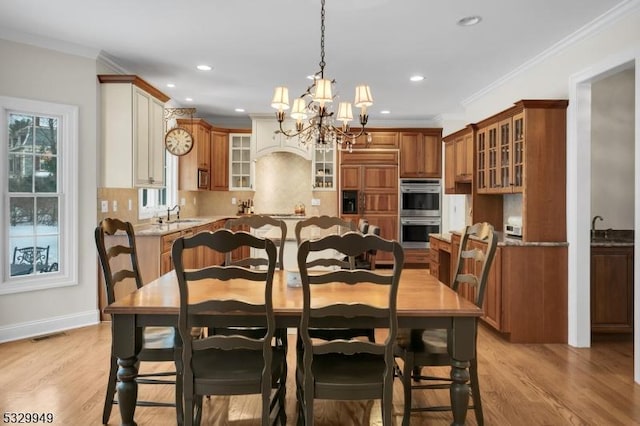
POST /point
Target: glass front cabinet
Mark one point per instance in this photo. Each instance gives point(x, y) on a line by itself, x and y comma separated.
point(240, 176)
point(323, 169)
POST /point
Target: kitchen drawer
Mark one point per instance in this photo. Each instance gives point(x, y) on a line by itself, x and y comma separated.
point(417, 256)
point(167, 240)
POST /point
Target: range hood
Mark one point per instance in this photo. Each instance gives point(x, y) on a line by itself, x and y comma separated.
point(267, 141)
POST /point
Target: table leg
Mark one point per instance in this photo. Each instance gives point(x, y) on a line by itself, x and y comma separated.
point(462, 348)
point(127, 342)
point(127, 389)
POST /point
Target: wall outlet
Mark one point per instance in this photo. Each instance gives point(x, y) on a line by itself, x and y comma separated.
point(114, 205)
point(130, 205)
point(183, 201)
point(104, 204)
point(234, 201)
point(315, 201)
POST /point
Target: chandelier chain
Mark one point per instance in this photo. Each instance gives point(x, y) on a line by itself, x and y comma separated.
point(322, 63)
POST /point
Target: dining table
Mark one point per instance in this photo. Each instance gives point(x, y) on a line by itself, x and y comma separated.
point(422, 302)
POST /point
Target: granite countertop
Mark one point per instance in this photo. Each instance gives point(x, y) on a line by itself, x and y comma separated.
point(157, 229)
point(507, 241)
point(613, 238)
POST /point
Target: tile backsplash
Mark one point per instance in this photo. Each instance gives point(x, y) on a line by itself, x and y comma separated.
point(282, 180)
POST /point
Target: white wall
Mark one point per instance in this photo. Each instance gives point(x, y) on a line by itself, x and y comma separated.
point(41, 74)
point(612, 159)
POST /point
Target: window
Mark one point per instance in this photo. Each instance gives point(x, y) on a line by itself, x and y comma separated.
point(153, 202)
point(39, 194)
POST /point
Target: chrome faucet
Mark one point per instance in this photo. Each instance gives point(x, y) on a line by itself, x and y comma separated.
point(169, 210)
point(593, 224)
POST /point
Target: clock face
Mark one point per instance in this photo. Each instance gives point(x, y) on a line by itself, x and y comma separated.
point(178, 141)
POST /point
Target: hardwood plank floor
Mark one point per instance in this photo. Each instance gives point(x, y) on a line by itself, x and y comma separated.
point(521, 384)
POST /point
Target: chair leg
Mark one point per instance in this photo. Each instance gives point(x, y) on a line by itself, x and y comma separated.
point(111, 390)
point(475, 392)
point(407, 369)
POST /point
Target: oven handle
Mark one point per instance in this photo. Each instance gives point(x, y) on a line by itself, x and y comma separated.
point(414, 221)
point(412, 189)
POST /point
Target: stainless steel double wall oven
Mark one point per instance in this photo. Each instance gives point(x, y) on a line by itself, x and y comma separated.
point(420, 211)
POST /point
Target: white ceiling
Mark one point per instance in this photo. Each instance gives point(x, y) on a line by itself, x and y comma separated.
point(255, 45)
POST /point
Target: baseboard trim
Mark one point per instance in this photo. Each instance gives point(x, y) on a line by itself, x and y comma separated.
point(47, 326)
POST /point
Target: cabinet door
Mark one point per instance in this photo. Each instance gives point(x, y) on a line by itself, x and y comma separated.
point(379, 140)
point(388, 229)
point(148, 143)
point(505, 138)
point(323, 169)
point(517, 156)
point(198, 158)
point(612, 289)
point(240, 161)
point(219, 161)
point(481, 160)
point(449, 168)
point(493, 156)
point(350, 177)
point(464, 158)
point(492, 305)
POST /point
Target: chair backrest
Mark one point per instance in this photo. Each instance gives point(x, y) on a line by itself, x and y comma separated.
point(354, 309)
point(251, 290)
point(119, 259)
point(316, 227)
point(363, 225)
point(475, 259)
point(38, 256)
point(255, 223)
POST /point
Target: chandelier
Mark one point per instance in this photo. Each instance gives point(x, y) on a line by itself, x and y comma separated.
point(320, 128)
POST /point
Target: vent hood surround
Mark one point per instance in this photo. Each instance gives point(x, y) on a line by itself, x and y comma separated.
point(267, 141)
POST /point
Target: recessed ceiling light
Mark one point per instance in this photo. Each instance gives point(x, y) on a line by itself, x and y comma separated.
point(204, 67)
point(416, 77)
point(188, 99)
point(385, 111)
point(239, 109)
point(468, 21)
point(171, 85)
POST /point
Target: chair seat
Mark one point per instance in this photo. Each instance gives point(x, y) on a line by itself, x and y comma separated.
point(242, 367)
point(362, 373)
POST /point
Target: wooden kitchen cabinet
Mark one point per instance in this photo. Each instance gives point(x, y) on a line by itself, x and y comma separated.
point(458, 161)
point(166, 242)
point(194, 168)
point(132, 132)
point(523, 150)
point(380, 139)
point(374, 176)
point(219, 160)
point(612, 289)
point(421, 154)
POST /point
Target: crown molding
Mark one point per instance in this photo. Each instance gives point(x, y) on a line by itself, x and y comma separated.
point(48, 43)
point(598, 24)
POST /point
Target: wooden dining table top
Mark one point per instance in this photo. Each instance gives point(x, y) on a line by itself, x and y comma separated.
point(419, 294)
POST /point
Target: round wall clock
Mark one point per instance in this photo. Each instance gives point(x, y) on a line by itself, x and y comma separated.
point(178, 141)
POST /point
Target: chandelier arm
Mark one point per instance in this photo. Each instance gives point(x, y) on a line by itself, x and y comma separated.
point(290, 134)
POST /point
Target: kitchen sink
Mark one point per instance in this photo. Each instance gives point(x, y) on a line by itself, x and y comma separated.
point(184, 221)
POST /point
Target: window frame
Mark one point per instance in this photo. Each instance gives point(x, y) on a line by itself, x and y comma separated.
point(67, 151)
point(171, 188)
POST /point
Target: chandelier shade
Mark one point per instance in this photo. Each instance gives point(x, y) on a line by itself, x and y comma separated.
point(314, 106)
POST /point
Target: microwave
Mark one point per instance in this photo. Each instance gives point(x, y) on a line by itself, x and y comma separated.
point(203, 178)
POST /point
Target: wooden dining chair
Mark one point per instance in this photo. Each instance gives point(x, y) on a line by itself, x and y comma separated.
point(235, 364)
point(258, 224)
point(367, 260)
point(116, 246)
point(317, 226)
point(347, 369)
point(428, 348)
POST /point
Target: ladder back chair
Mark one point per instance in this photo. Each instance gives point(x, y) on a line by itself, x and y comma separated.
point(428, 348)
point(255, 224)
point(223, 297)
point(116, 246)
point(347, 369)
point(314, 226)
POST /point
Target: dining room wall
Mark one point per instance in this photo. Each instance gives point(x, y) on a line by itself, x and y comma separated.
point(67, 77)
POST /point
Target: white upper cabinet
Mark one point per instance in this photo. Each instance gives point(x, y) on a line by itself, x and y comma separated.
point(267, 141)
point(132, 135)
point(240, 163)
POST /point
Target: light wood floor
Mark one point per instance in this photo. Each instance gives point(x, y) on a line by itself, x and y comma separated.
point(521, 384)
